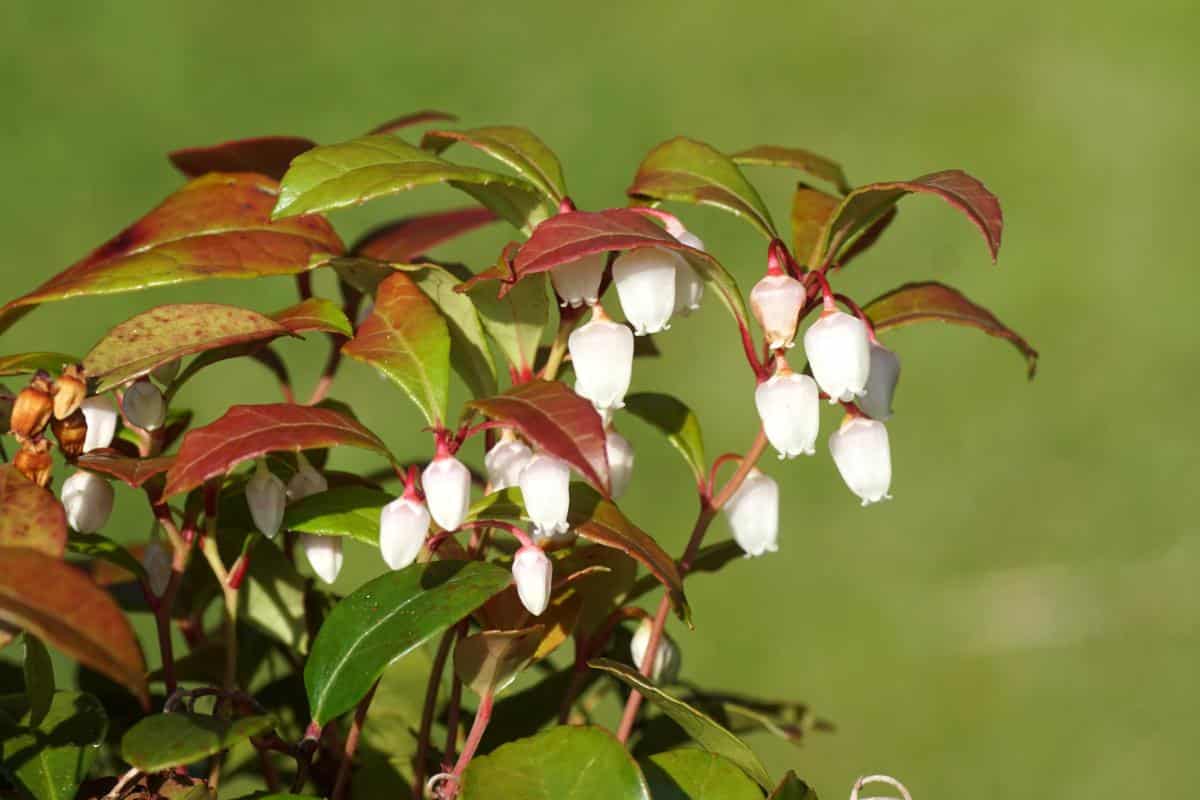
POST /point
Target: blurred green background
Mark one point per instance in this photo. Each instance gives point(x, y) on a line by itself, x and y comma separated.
point(1023, 615)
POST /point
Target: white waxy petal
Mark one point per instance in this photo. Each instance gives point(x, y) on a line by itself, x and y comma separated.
point(689, 287)
point(306, 482)
point(447, 485)
point(324, 554)
point(881, 383)
point(266, 496)
point(546, 489)
point(620, 462)
point(403, 526)
point(534, 575)
point(645, 281)
point(578, 282)
point(753, 514)
point(144, 405)
point(863, 456)
point(666, 657)
point(156, 559)
point(505, 461)
point(88, 500)
point(776, 301)
point(790, 411)
point(100, 413)
point(602, 356)
point(838, 349)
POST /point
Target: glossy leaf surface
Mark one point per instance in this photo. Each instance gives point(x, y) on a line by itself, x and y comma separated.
point(403, 241)
point(769, 155)
point(342, 511)
point(517, 147)
point(469, 353)
point(96, 546)
point(162, 741)
point(30, 516)
point(675, 421)
point(130, 470)
point(317, 315)
point(48, 759)
point(688, 774)
point(266, 155)
point(516, 320)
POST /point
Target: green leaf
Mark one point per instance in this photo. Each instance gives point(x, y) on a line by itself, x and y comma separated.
point(517, 147)
point(564, 763)
point(707, 733)
point(272, 598)
point(693, 172)
point(488, 661)
point(385, 619)
point(407, 340)
point(23, 363)
point(792, 788)
point(515, 321)
point(768, 155)
point(675, 421)
point(49, 759)
point(162, 741)
point(314, 314)
point(689, 774)
point(39, 678)
point(469, 353)
point(30, 516)
point(811, 210)
point(342, 511)
point(519, 205)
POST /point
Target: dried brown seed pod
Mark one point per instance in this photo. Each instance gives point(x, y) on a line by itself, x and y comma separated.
point(69, 391)
point(71, 434)
point(33, 460)
point(32, 409)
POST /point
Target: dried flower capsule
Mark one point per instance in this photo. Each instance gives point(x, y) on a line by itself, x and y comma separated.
point(156, 560)
point(753, 514)
point(645, 281)
point(447, 491)
point(403, 527)
point(71, 433)
point(32, 409)
point(69, 390)
point(324, 554)
point(545, 487)
point(33, 460)
point(307, 481)
point(505, 461)
point(776, 301)
point(882, 378)
point(789, 407)
point(144, 405)
point(101, 415)
point(838, 349)
point(266, 496)
point(602, 355)
point(666, 657)
point(689, 287)
point(578, 282)
point(534, 576)
point(620, 462)
point(863, 456)
point(88, 500)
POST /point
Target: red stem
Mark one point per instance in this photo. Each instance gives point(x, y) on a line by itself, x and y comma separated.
point(483, 715)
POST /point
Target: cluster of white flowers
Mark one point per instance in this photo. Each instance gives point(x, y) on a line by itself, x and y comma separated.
point(86, 497)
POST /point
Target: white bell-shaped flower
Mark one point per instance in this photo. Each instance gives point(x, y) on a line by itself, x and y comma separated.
point(839, 352)
point(645, 280)
point(144, 405)
point(447, 485)
point(88, 500)
point(546, 489)
point(505, 461)
point(620, 462)
point(578, 282)
point(403, 526)
point(753, 514)
point(776, 301)
point(307, 481)
point(534, 575)
point(324, 554)
point(266, 497)
point(864, 458)
point(165, 373)
point(100, 413)
point(156, 560)
point(689, 287)
point(789, 407)
point(881, 383)
point(666, 657)
point(602, 356)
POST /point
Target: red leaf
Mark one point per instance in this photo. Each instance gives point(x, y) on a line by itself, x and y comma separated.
point(30, 516)
point(403, 241)
point(769, 155)
point(314, 314)
point(247, 432)
point(133, 471)
point(266, 155)
point(415, 118)
point(559, 421)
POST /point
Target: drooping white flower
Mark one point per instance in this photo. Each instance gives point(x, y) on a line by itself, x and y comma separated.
point(689, 288)
point(620, 462)
point(838, 349)
point(165, 373)
point(753, 514)
point(666, 657)
point(505, 461)
point(776, 301)
point(447, 485)
point(156, 560)
point(101, 415)
point(266, 497)
point(546, 489)
point(578, 282)
point(645, 281)
point(789, 408)
point(144, 405)
point(307, 481)
point(534, 576)
point(403, 526)
point(88, 500)
point(324, 554)
point(863, 456)
point(881, 383)
point(602, 356)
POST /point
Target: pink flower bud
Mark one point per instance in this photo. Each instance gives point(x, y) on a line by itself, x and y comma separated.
point(689, 287)
point(839, 352)
point(789, 408)
point(620, 462)
point(666, 657)
point(403, 526)
point(88, 501)
point(447, 491)
point(776, 301)
point(545, 487)
point(324, 554)
point(863, 456)
point(534, 575)
point(881, 383)
point(266, 496)
point(156, 560)
point(505, 461)
point(602, 355)
point(645, 280)
point(578, 282)
point(753, 514)
point(101, 415)
point(307, 481)
point(144, 405)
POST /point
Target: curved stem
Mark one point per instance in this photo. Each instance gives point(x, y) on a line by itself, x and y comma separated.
point(427, 713)
point(483, 715)
point(360, 716)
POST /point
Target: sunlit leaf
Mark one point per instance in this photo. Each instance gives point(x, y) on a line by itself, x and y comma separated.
point(811, 210)
point(675, 421)
point(517, 147)
point(768, 155)
point(97, 546)
point(403, 241)
point(47, 760)
point(342, 511)
point(266, 155)
point(469, 353)
point(272, 598)
point(689, 774)
point(30, 516)
point(162, 741)
point(317, 315)
point(516, 320)
point(130, 470)
point(792, 788)
point(23, 363)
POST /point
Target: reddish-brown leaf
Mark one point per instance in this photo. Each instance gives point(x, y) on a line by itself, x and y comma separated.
point(29, 515)
point(559, 421)
point(769, 155)
point(266, 155)
point(247, 432)
point(811, 210)
point(402, 241)
point(60, 604)
point(924, 302)
point(133, 471)
point(416, 118)
point(314, 314)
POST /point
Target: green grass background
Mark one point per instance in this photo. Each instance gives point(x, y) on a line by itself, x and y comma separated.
point(1023, 616)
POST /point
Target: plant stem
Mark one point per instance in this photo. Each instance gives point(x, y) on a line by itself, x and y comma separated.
point(360, 716)
point(431, 693)
point(454, 706)
point(329, 372)
point(483, 715)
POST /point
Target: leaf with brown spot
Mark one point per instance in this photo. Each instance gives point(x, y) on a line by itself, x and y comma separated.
point(769, 155)
point(266, 155)
point(132, 471)
point(30, 516)
point(404, 240)
point(24, 363)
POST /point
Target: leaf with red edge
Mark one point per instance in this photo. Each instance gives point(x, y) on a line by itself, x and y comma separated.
point(517, 147)
point(247, 432)
point(23, 363)
point(217, 226)
point(558, 421)
point(811, 210)
point(769, 155)
point(936, 302)
point(693, 172)
point(407, 340)
point(866, 204)
point(62, 606)
point(133, 471)
point(314, 315)
point(29, 515)
point(415, 118)
point(404, 240)
point(266, 155)
point(864, 240)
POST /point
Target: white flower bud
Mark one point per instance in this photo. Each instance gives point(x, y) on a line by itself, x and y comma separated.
point(447, 491)
point(307, 481)
point(620, 462)
point(839, 352)
point(403, 526)
point(101, 415)
point(666, 657)
point(863, 457)
point(156, 560)
point(645, 280)
point(602, 356)
point(753, 514)
point(144, 405)
point(165, 373)
point(689, 287)
point(266, 496)
point(505, 461)
point(578, 282)
point(790, 411)
point(546, 488)
point(776, 301)
point(881, 383)
point(324, 554)
point(88, 500)
point(534, 575)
